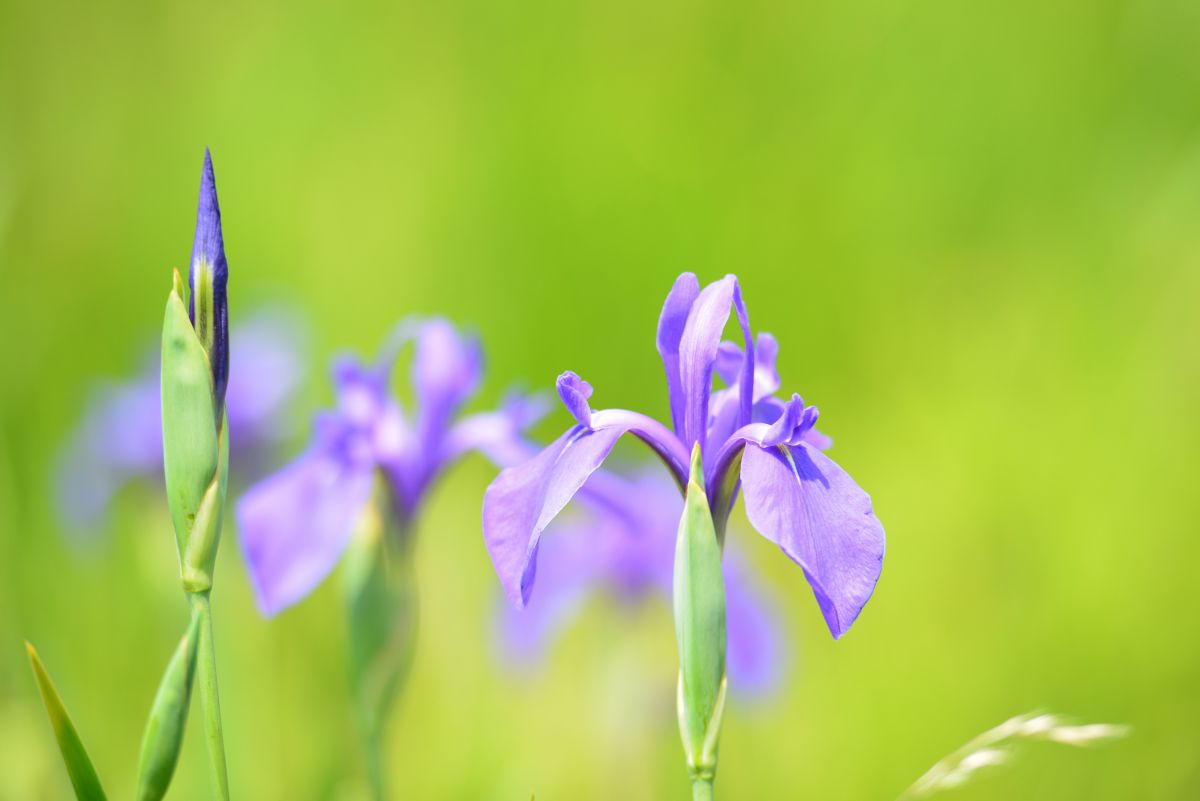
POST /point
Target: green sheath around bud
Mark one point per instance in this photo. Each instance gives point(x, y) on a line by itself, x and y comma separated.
point(168, 719)
point(699, 595)
point(195, 453)
point(199, 557)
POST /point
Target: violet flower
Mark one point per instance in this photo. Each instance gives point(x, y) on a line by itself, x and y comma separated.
point(296, 524)
point(622, 545)
point(795, 495)
point(119, 439)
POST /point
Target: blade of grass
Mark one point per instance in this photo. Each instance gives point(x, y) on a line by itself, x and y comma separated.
point(79, 766)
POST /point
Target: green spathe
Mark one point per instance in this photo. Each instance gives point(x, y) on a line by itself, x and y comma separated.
point(699, 595)
point(192, 447)
point(79, 766)
point(168, 718)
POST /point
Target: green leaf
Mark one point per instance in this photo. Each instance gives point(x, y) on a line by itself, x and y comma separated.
point(190, 444)
point(699, 596)
point(79, 766)
point(168, 719)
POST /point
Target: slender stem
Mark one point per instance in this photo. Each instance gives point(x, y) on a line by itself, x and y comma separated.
point(702, 789)
point(206, 674)
point(372, 748)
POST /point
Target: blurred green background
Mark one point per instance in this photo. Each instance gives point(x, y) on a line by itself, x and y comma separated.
point(972, 226)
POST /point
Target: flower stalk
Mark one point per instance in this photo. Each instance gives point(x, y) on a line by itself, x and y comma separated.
point(206, 673)
point(195, 372)
point(381, 606)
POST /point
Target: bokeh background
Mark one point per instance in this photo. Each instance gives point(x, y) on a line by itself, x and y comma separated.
point(975, 229)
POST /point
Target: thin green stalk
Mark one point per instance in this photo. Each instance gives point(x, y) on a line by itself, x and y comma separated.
point(206, 675)
point(372, 751)
point(702, 789)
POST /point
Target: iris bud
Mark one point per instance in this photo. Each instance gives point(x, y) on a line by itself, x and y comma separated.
point(208, 277)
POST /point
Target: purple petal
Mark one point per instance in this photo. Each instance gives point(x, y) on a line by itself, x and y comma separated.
point(730, 362)
point(755, 649)
point(361, 389)
point(498, 435)
point(523, 500)
point(574, 393)
point(209, 246)
point(798, 498)
point(567, 578)
point(119, 439)
point(698, 354)
point(671, 323)
point(268, 363)
point(792, 425)
point(295, 525)
point(446, 371)
point(821, 442)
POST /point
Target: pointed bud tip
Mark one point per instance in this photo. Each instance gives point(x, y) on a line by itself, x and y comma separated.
point(697, 467)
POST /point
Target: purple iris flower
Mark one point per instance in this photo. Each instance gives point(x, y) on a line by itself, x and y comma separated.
point(622, 544)
point(119, 439)
point(296, 524)
point(796, 496)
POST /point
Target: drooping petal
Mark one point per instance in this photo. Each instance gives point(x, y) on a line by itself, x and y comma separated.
point(756, 644)
point(801, 500)
point(671, 324)
point(295, 525)
point(567, 578)
point(698, 354)
point(523, 500)
point(498, 435)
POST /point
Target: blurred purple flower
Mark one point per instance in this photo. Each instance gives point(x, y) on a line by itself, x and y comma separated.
point(119, 439)
point(623, 545)
point(296, 524)
point(795, 495)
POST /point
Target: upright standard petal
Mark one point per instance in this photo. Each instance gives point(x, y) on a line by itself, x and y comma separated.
point(671, 324)
point(698, 348)
point(208, 278)
point(798, 498)
point(731, 360)
point(523, 500)
point(446, 371)
point(295, 525)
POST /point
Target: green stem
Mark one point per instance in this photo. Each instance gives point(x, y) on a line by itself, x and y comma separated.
point(206, 674)
point(702, 789)
point(372, 752)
